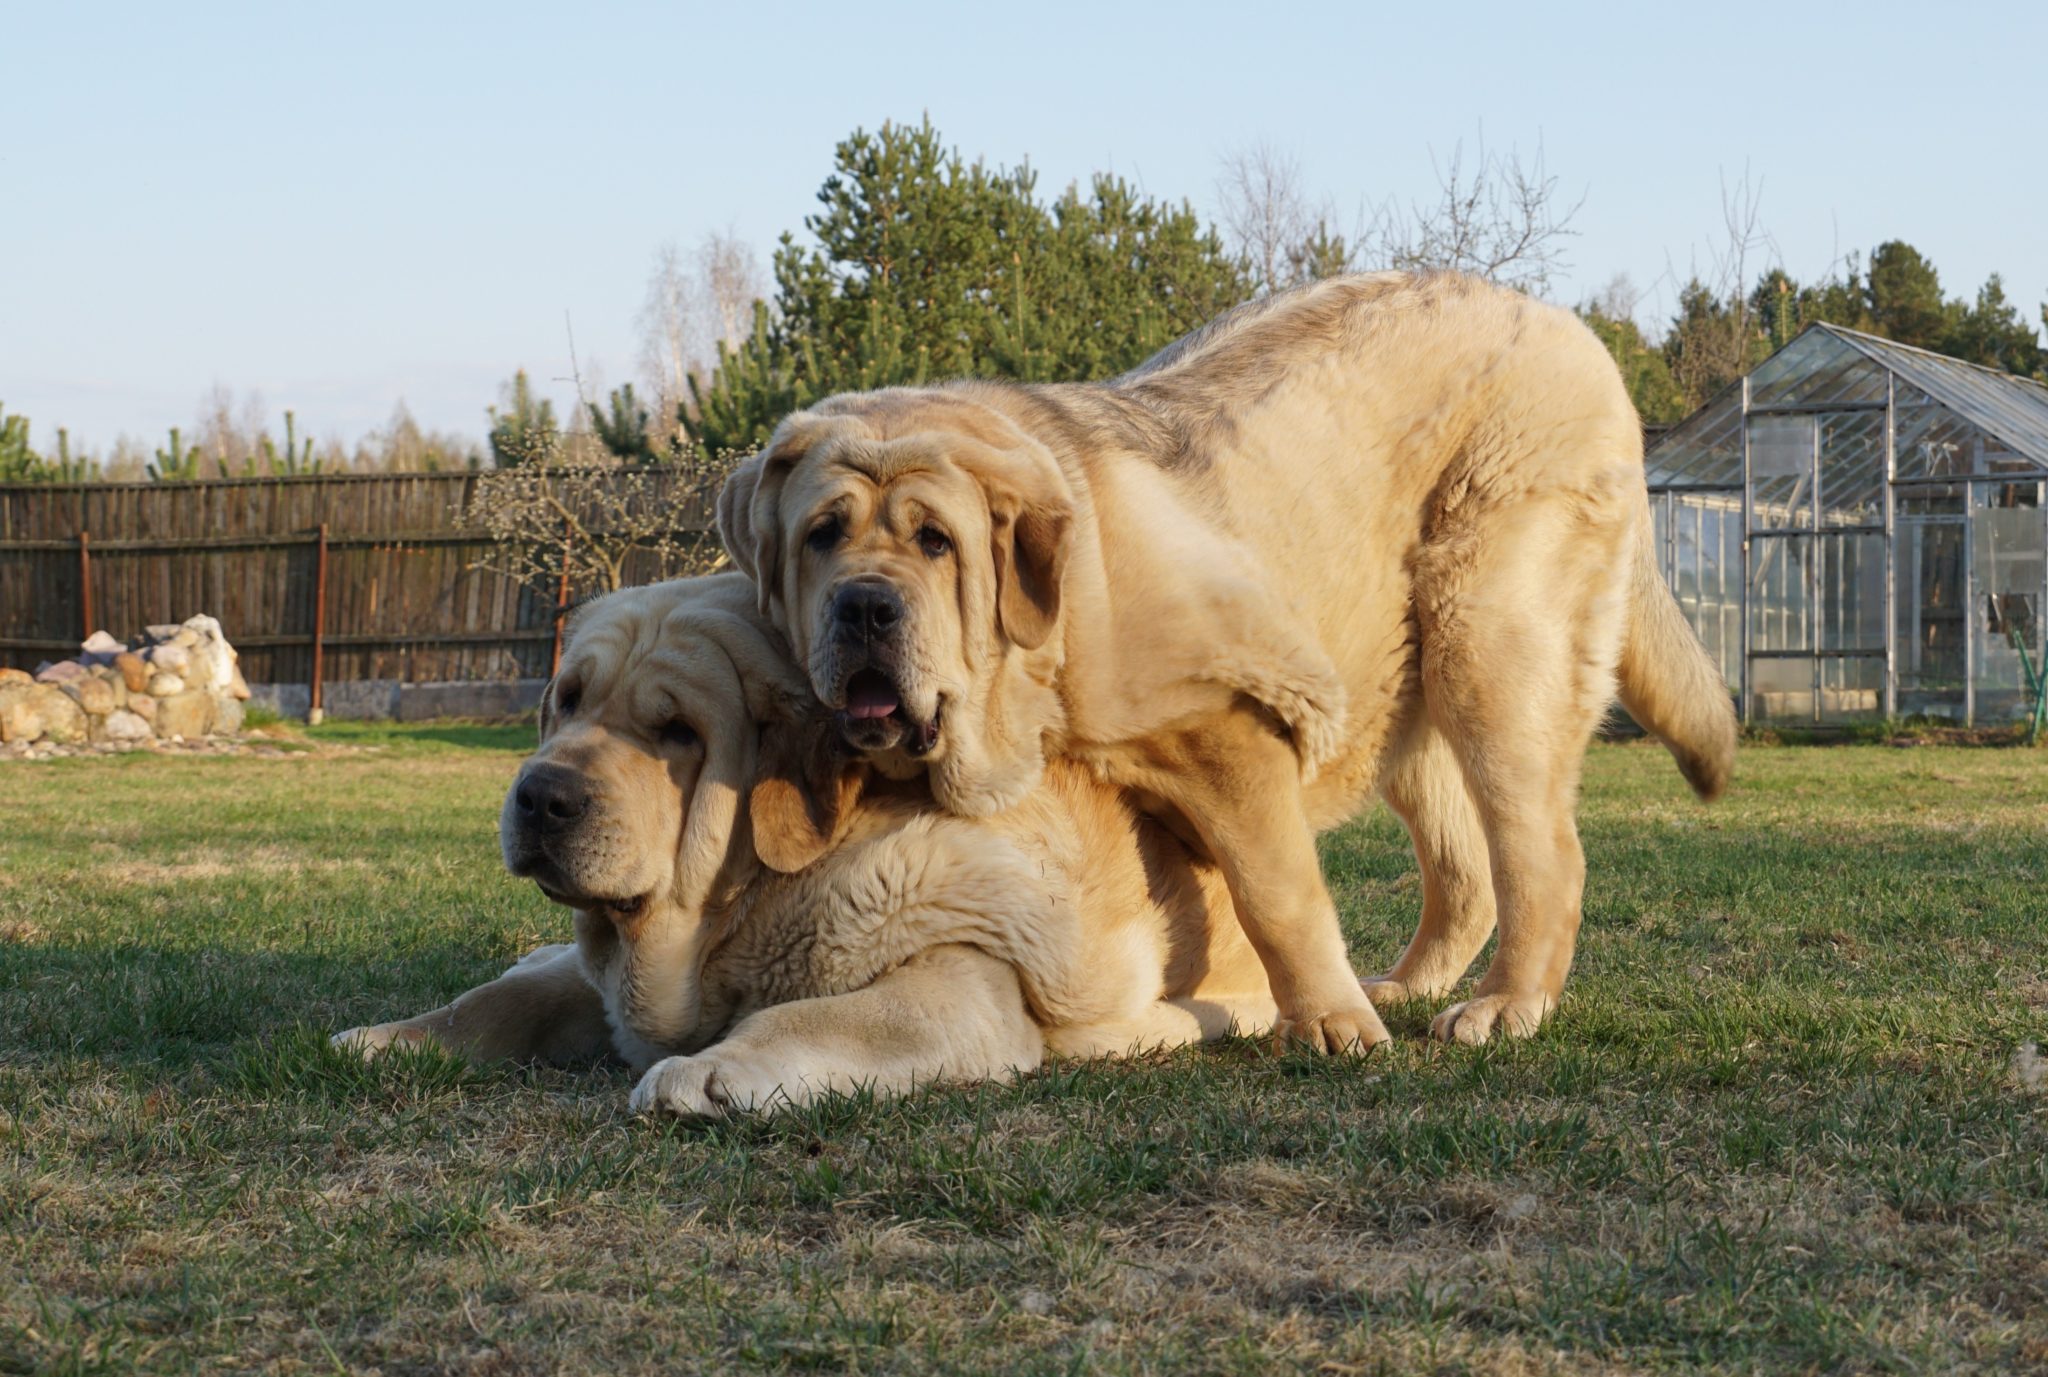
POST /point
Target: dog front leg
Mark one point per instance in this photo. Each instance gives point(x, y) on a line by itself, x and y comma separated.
point(953, 1013)
point(543, 1009)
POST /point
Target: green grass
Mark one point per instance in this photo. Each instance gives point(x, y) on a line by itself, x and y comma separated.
point(1777, 1126)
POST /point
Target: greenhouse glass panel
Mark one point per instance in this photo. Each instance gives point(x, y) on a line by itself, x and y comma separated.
point(1816, 368)
point(2012, 408)
point(1779, 597)
point(1852, 592)
point(1929, 640)
point(2007, 542)
point(1782, 689)
point(1706, 574)
point(1851, 689)
point(1852, 468)
point(1934, 442)
point(1781, 472)
point(1705, 450)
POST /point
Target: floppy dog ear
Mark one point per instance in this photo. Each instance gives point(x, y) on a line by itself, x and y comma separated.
point(1029, 518)
point(735, 520)
point(803, 791)
point(749, 522)
point(547, 708)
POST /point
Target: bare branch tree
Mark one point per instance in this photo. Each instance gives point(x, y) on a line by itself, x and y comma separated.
point(1617, 299)
point(1502, 221)
point(667, 331)
point(693, 304)
point(608, 526)
point(729, 279)
point(1265, 212)
point(1716, 326)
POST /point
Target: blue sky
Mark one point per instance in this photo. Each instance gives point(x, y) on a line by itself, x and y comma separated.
point(340, 206)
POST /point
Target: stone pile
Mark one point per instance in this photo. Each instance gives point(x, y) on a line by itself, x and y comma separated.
point(174, 683)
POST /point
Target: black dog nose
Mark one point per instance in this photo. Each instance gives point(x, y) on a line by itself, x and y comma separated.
point(550, 798)
point(867, 610)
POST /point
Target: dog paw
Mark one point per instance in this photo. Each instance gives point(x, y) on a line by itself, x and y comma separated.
point(541, 954)
point(368, 1042)
point(703, 1087)
point(1385, 991)
point(1347, 1031)
point(1496, 1015)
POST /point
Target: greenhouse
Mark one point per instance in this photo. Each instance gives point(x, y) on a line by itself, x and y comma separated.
point(1856, 531)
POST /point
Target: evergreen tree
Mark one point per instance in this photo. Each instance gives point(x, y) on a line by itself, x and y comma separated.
point(1905, 296)
point(181, 463)
point(524, 431)
point(1643, 369)
point(1991, 332)
point(1319, 255)
point(1712, 342)
point(924, 266)
point(624, 432)
point(18, 463)
point(68, 467)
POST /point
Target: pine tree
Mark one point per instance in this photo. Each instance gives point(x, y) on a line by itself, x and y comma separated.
point(924, 266)
point(18, 463)
point(1643, 369)
point(1905, 296)
point(178, 464)
point(524, 432)
point(624, 431)
point(295, 459)
point(1991, 332)
point(67, 467)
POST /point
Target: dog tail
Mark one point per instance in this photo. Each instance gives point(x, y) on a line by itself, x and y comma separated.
point(1670, 686)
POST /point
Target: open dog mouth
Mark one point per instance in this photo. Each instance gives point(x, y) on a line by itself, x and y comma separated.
point(875, 719)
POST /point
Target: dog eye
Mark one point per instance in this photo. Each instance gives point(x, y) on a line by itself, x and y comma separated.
point(824, 536)
point(677, 732)
point(566, 701)
point(934, 542)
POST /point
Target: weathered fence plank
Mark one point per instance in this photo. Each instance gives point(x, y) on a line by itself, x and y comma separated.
point(405, 597)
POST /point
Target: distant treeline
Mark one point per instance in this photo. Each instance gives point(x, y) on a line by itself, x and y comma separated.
point(921, 265)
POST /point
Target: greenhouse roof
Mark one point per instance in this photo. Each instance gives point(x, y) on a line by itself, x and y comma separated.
point(2013, 408)
point(1827, 365)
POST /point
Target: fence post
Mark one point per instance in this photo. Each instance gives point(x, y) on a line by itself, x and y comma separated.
point(314, 712)
point(561, 600)
point(85, 582)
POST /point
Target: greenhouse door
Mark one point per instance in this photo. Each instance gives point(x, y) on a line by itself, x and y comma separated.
point(2007, 588)
point(1814, 567)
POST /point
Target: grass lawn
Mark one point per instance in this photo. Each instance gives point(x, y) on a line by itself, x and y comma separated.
point(1782, 1124)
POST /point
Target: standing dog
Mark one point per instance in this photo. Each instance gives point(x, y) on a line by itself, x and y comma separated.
point(1384, 533)
point(758, 921)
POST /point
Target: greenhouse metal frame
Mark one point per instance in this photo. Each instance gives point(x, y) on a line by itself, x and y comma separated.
point(1856, 530)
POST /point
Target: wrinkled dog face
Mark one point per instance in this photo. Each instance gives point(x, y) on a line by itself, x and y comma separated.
point(904, 541)
point(630, 809)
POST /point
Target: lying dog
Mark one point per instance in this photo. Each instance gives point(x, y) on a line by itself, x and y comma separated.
point(759, 920)
point(1383, 534)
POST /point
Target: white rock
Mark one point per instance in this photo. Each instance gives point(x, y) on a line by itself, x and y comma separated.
point(166, 685)
point(126, 726)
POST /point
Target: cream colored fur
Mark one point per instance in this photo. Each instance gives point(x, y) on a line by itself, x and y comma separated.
point(912, 947)
point(1384, 534)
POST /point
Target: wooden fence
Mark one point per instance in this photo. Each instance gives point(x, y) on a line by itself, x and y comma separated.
point(395, 559)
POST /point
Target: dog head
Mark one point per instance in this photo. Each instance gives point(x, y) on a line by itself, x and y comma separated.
point(680, 752)
point(913, 545)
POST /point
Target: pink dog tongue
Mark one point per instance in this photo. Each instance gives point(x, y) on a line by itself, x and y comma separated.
point(869, 695)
